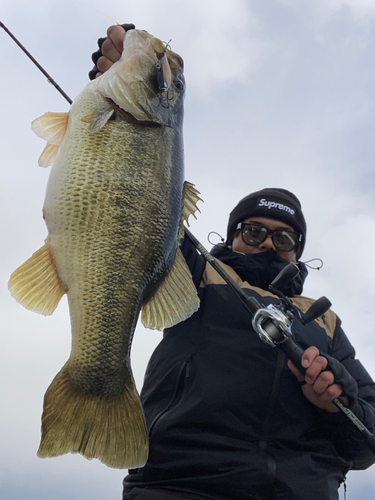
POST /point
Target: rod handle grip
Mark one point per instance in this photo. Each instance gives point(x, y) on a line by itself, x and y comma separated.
point(293, 352)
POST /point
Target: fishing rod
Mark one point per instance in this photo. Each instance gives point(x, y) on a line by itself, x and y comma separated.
point(273, 323)
point(49, 78)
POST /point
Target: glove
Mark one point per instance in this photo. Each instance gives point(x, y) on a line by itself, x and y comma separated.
point(95, 56)
point(342, 377)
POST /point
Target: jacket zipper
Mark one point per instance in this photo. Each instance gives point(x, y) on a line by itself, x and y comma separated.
point(263, 443)
point(183, 374)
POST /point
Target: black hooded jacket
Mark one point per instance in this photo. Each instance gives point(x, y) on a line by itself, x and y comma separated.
point(226, 417)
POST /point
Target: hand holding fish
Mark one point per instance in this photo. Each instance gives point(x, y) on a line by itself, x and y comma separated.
point(110, 49)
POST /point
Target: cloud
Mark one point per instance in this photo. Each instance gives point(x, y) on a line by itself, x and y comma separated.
point(360, 8)
point(323, 10)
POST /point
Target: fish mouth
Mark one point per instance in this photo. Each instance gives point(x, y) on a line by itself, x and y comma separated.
point(141, 83)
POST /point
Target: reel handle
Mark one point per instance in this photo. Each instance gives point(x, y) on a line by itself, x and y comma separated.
point(318, 308)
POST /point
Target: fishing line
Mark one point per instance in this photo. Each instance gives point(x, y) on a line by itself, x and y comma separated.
point(97, 11)
point(49, 78)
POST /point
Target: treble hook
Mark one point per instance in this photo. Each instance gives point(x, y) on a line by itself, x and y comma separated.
point(164, 77)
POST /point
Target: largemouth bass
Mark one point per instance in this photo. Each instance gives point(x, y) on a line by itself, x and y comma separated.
point(114, 208)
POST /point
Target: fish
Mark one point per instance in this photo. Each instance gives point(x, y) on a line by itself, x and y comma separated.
point(115, 205)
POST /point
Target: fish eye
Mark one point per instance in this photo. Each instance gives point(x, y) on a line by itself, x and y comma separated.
point(178, 84)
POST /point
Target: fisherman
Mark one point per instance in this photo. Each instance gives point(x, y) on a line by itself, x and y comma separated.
point(228, 417)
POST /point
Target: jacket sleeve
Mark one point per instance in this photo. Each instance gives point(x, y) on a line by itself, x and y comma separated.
point(359, 387)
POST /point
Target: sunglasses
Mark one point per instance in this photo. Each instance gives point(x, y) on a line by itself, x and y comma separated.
point(254, 234)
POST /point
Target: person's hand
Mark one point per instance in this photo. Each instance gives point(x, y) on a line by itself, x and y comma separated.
point(318, 382)
point(110, 49)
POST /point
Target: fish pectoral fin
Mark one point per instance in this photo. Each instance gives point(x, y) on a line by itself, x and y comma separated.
point(36, 284)
point(48, 156)
point(51, 127)
point(175, 300)
point(189, 205)
point(97, 120)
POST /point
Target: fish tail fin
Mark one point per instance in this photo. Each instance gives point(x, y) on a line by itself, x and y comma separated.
point(111, 429)
point(36, 284)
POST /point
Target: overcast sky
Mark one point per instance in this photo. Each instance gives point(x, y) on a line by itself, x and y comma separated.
point(280, 93)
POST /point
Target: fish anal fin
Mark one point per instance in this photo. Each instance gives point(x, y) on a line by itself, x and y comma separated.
point(97, 120)
point(48, 156)
point(111, 429)
point(175, 300)
point(36, 284)
point(51, 127)
point(189, 205)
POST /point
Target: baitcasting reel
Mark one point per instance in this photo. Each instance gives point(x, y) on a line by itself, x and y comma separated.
point(273, 323)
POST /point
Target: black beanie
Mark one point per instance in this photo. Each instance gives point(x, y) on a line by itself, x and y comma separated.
point(276, 203)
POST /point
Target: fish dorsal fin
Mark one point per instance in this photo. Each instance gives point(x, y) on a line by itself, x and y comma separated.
point(36, 284)
point(175, 300)
point(51, 127)
point(48, 156)
point(189, 205)
point(97, 120)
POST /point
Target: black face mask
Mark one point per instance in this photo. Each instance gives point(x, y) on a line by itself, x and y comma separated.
point(260, 269)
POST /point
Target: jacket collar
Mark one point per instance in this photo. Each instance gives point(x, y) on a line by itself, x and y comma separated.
point(260, 269)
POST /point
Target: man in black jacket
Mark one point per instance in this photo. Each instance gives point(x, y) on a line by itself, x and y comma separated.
point(228, 417)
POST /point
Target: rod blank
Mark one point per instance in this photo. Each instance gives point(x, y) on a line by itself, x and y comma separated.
point(49, 78)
